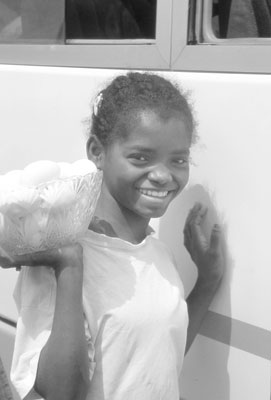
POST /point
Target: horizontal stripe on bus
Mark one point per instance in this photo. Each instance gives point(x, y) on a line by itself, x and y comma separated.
point(238, 334)
point(230, 331)
point(8, 321)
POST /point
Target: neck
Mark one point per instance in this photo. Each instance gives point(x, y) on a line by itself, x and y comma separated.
point(113, 220)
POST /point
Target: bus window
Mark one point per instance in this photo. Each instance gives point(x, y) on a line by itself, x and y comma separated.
point(43, 21)
point(223, 36)
point(87, 33)
point(110, 19)
point(31, 21)
point(241, 18)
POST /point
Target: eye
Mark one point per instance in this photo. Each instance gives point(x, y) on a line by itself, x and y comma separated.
point(181, 161)
point(138, 158)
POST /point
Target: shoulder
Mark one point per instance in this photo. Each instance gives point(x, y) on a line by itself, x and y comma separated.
point(161, 247)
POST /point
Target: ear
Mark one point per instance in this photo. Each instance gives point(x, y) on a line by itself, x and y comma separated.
point(95, 151)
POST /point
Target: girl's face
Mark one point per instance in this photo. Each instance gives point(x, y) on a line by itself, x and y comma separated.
point(145, 171)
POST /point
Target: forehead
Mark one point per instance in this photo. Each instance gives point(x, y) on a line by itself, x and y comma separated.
point(149, 128)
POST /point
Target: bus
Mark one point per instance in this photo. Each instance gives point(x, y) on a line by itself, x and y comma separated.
point(54, 58)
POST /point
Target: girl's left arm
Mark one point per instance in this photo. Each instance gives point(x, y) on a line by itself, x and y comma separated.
point(207, 256)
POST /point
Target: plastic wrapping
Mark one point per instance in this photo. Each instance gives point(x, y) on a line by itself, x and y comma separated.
point(47, 215)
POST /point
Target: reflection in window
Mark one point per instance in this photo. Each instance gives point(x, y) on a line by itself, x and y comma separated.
point(31, 21)
point(110, 19)
point(241, 18)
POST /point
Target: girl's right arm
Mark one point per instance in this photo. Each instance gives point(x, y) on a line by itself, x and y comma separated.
point(63, 372)
point(63, 364)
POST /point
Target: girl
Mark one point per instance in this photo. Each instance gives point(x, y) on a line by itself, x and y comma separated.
point(109, 320)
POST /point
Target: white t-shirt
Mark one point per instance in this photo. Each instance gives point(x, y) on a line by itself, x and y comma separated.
point(135, 318)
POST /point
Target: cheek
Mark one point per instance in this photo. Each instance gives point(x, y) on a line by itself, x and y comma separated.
point(183, 180)
point(186, 180)
point(117, 182)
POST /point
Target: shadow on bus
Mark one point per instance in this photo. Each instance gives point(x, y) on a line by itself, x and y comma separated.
point(205, 373)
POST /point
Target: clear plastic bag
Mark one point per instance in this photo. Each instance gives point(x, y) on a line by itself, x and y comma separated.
point(48, 215)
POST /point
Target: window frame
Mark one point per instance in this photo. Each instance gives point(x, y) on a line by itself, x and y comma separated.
point(172, 49)
point(207, 36)
point(213, 54)
point(123, 54)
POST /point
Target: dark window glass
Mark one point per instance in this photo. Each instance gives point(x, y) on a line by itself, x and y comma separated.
point(241, 18)
point(110, 19)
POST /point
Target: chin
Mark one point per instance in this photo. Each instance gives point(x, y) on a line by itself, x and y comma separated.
point(158, 215)
point(153, 213)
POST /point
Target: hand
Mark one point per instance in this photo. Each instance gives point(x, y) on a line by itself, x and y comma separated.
point(206, 254)
point(55, 258)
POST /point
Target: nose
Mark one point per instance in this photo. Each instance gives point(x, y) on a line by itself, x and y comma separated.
point(160, 174)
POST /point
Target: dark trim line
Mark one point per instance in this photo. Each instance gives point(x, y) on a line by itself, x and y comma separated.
point(230, 331)
point(8, 321)
point(238, 334)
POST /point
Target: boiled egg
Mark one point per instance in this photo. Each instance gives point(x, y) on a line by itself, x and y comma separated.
point(65, 169)
point(11, 179)
point(40, 172)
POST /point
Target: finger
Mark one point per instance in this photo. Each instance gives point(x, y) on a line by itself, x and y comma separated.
point(198, 213)
point(6, 261)
point(6, 264)
point(193, 230)
point(198, 236)
point(215, 238)
point(197, 216)
point(197, 219)
point(24, 259)
point(197, 207)
point(187, 243)
point(192, 211)
point(187, 233)
point(201, 212)
point(5, 256)
point(46, 257)
point(187, 230)
point(190, 217)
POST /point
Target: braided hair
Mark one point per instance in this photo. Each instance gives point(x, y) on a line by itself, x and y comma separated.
point(126, 95)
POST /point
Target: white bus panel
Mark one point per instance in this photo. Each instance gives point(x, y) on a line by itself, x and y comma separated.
point(43, 110)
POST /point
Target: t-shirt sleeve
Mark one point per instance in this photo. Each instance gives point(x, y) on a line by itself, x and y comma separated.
point(35, 299)
point(35, 295)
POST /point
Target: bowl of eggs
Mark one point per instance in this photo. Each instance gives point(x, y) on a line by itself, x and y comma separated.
point(46, 205)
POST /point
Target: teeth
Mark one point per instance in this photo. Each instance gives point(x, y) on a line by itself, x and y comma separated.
point(153, 193)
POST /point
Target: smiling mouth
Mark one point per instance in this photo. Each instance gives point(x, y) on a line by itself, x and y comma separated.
point(154, 193)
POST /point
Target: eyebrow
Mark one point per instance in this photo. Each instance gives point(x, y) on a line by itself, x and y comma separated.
point(184, 152)
point(140, 148)
point(149, 150)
